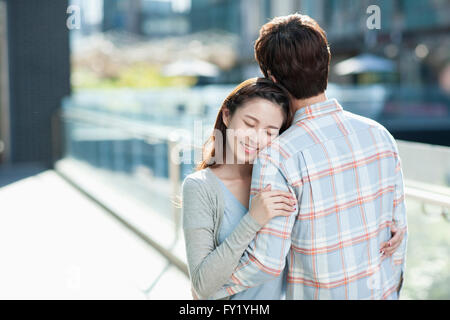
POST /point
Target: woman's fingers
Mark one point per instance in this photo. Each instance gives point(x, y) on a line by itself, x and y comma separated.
point(282, 212)
point(391, 245)
point(283, 206)
point(396, 239)
point(394, 243)
point(390, 250)
point(394, 228)
point(281, 199)
point(278, 193)
point(194, 295)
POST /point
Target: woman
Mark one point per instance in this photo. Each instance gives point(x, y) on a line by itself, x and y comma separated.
point(217, 224)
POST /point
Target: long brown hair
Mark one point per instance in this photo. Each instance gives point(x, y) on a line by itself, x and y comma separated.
point(247, 90)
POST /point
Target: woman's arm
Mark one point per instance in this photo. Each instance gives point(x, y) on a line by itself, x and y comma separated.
point(210, 268)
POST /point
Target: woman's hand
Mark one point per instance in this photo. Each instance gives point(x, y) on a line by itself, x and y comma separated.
point(194, 295)
point(389, 247)
point(268, 204)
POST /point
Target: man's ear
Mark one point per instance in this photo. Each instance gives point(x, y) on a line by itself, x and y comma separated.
point(271, 77)
point(226, 116)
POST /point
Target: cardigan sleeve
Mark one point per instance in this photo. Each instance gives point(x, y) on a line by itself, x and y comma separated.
point(210, 267)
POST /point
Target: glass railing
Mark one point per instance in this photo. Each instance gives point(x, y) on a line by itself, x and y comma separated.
point(427, 179)
point(427, 273)
point(127, 164)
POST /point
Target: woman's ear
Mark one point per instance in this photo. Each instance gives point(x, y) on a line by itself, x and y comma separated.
point(226, 116)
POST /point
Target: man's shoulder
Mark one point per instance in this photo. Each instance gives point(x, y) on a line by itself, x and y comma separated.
point(360, 123)
point(291, 142)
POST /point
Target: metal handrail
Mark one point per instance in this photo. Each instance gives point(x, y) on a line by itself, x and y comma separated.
point(429, 194)
point(134, 127)
point(148, 133)
point(437, 195)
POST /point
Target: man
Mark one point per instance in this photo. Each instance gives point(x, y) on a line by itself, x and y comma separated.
point(344, 170)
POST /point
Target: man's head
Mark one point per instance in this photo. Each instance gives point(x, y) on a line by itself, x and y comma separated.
point(294, 50)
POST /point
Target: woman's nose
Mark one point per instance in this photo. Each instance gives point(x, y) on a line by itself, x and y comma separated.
point(253, 139)
point(262, 136)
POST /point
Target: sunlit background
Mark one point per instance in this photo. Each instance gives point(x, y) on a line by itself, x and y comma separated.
point(97, 96)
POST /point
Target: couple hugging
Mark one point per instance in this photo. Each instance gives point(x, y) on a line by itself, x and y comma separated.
point(295, 198)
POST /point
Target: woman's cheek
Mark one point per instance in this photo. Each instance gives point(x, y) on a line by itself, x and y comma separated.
point(264, 140)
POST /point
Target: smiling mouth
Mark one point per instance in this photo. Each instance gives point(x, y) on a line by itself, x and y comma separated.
point(248, 149)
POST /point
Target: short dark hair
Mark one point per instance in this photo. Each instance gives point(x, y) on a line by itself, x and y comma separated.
point(295, 50)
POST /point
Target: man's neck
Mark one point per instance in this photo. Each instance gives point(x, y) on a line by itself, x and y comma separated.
point(298, 104)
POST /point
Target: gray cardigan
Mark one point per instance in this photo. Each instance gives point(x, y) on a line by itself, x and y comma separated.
point(211, 265)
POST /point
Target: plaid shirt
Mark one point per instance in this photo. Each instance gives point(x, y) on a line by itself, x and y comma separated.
point(345, 172)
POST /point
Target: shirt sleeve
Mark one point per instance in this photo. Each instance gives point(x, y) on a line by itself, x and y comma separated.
point(264, 259)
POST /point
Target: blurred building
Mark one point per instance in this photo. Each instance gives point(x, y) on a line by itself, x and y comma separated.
point(159, 19)
point(414, 33)
point(5, 135)
point(35, 75)
point(216, 14)
point(149, 18)
point(413, 38)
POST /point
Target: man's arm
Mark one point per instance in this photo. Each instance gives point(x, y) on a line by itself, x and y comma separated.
point(264, 259)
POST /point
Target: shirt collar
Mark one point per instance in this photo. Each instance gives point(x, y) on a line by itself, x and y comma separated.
point(317, 110)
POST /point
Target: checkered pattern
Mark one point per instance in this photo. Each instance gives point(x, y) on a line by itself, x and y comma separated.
point(345, 172)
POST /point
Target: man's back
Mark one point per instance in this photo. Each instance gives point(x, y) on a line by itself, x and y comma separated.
point(346, 173)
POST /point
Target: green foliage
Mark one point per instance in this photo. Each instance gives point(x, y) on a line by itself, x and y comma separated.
point(139, 75)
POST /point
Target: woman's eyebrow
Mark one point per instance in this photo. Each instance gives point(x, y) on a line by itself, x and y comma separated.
point(268, 127)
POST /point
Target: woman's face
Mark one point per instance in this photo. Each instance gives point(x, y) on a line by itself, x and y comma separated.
point(251, 128)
